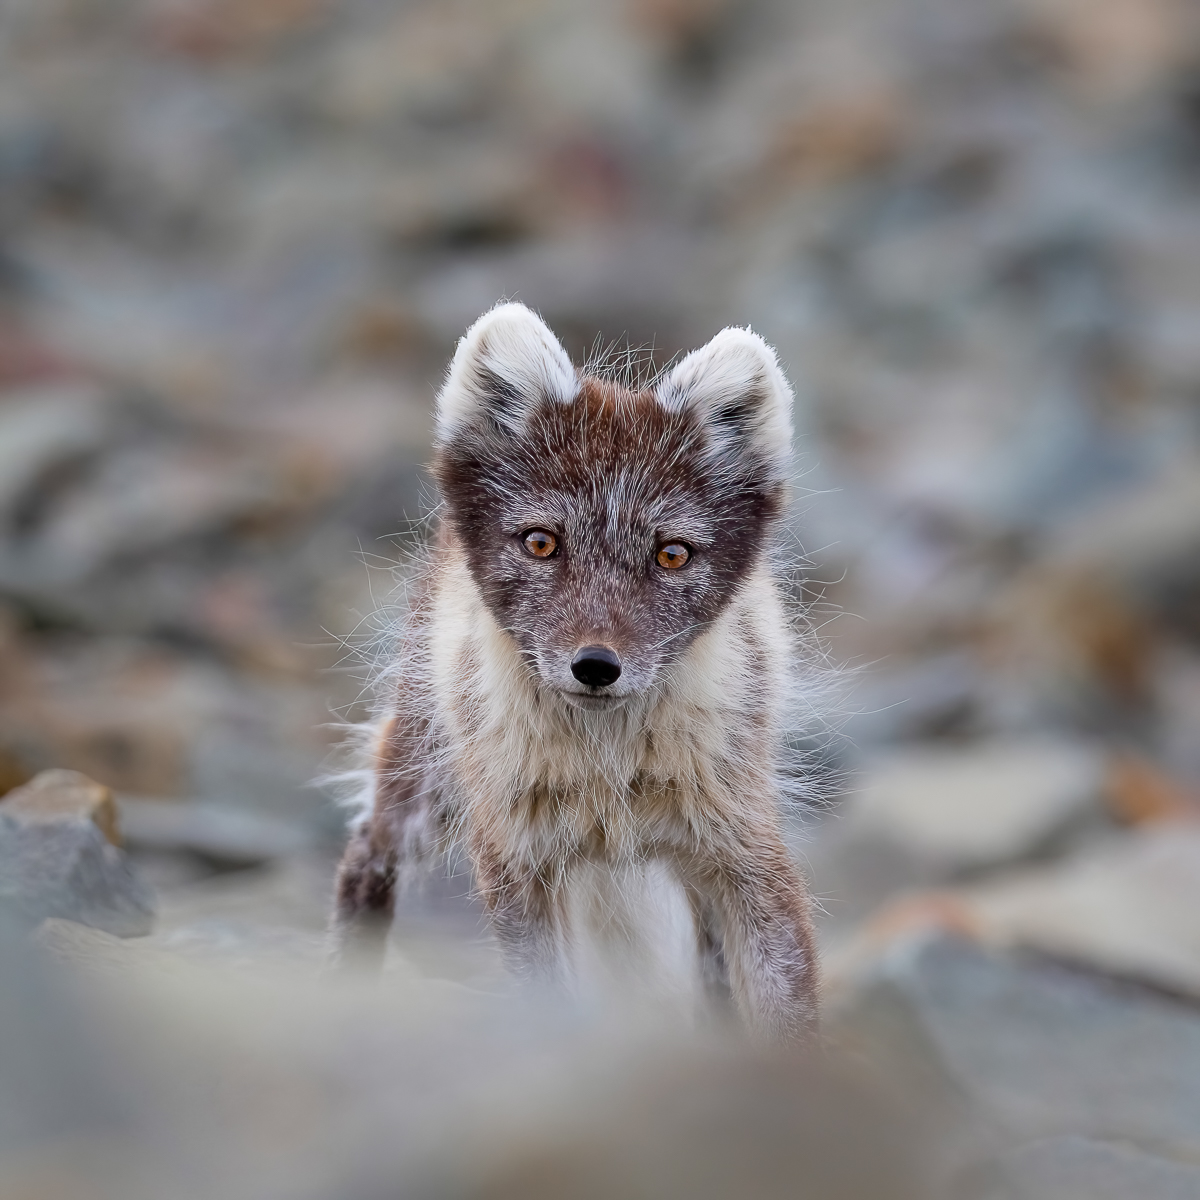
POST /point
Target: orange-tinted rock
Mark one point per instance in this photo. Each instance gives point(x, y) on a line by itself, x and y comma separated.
point(64, 795)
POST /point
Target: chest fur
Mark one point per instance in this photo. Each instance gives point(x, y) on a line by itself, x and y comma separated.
point(540, 779)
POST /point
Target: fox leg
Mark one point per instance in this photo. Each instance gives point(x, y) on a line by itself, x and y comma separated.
point(366, 895)
point(398, 831)
point(525, 915)
point(714, 972)
point(768, 943)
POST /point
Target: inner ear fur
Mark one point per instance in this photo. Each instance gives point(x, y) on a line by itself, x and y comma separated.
point(735, 384)
point(506, 363)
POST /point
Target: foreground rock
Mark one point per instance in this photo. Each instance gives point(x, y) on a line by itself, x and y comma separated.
point(57, 858)
point(1008, 1052)
point(1075, 1168)
point(348, 1088)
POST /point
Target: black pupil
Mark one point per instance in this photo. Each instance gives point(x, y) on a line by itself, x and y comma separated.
point(539, 542)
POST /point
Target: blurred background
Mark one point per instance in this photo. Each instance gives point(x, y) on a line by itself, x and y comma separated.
point(238, 241)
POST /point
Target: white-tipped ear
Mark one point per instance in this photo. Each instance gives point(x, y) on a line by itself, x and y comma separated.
point(736, 385)
point(506, 363)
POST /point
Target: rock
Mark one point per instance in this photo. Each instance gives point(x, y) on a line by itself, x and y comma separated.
point(1116, 52)
point(65, 868)
point(1129, 908)
point(965, 809)
point(51, 1083)
point(114, 711)
point(12, 771)
point(1010, 1051)
point(1140, 792)
point(59, 795)
point(94, 950)
point(1077, 1168)
point(148, 720)
point(1145, 538)
point(224, 834)
point(628, 279)
point(43, 432)
point(1177, 697)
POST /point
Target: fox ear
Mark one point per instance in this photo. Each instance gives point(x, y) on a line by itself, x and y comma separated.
point(737, 387)
point(505, 364)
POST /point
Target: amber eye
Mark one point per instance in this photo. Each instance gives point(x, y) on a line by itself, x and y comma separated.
point(673, 555)
point(540, 544)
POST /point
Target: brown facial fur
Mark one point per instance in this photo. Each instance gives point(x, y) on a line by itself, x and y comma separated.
point(613, 475)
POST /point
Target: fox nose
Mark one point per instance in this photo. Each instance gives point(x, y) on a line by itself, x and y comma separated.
point(596, 666)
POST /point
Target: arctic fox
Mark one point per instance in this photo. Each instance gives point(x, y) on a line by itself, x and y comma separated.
point(588, 693)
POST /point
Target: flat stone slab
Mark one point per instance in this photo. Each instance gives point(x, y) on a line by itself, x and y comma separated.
point(962, 809)
point(1131, 908)
point(1026, 1050)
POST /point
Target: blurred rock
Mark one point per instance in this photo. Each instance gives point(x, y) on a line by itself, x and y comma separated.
point(115, 719)
point(1144, 539)
point(208, 29)
point(1127, 908)
point(625, 279)
point(46, 433)
point(1010, 1051)
point(148, 720)
point(224, 834)
point(1070, 646)
point(1140, 792)
point(59, 795)
point(1077, 1168)
point(13, 772)
point(53, 1084)
point(1177, 699)
point(25, 359)
point(65, 868)
point(1118, 50)
point(278, 913)
point(321, 1088)
point(963, 809)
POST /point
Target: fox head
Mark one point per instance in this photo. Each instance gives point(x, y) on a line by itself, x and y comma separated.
point(607, 528)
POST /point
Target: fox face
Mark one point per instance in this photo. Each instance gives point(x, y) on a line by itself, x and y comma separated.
point(607, 528)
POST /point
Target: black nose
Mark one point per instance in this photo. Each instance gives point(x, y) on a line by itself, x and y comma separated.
point(596, 666)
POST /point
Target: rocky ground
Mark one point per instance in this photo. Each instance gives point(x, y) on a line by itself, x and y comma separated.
point(237, 242)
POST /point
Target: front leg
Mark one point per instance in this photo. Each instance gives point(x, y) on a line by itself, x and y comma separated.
point(526, 915)
point(768, 942)
point(399, 830)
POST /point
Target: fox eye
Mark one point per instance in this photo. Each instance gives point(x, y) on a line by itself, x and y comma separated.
point(539, 543)
point(673, 555)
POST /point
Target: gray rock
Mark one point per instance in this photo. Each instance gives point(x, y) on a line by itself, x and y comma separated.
point(227, 835)
point(52, 1084)
point(1127, 908)
point(965, 809)
point(1144, 537)
point(1013, 1051)
point(1077, 1168)
point(42, 431)
point(67, 869)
